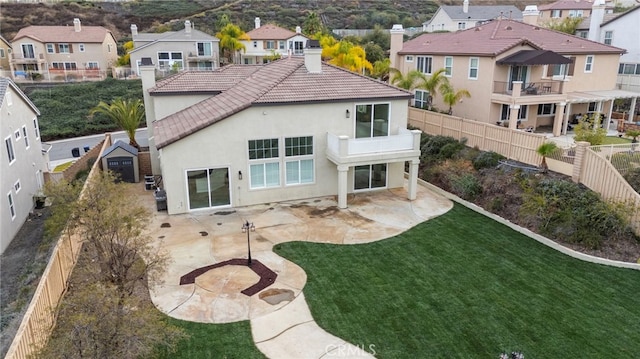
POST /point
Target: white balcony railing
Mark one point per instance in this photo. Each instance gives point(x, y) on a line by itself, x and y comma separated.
point(344, 147)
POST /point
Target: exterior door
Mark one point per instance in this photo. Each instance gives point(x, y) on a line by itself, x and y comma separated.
point(208, 188)
point(518, 73)
point(122, 167)
point(27, 51)
point(370, 176)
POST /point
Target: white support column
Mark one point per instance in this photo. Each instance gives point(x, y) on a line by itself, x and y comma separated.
point(342, 186)
point(565, 125)
point(413, 179)
point(632, 111)
point(513, 116)
point(557, 120)
point(609, 116)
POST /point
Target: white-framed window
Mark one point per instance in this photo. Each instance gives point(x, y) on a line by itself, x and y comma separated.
point(36, 129)
point(575, 13)
point(205, 49)
point(9, 98)
point(588, 64)
point(473, 67)
point(24, 135)
point(448, 66)
point(629, 69)
point(17, 186)
point(299, 160)
point(50, 49)
point(28, 51)
point(264, 164)
point(372, 120)
point(93, 65)
point(8, 144)
point(421, 99)
point(592, 107)
point(424, 64)
point(555, 14)
point(608, 37)
point(64, 48)
point(64, 65)
point(270, 45)
point(506, 113)
point(12, 208)
point(17, 135)
point(282, 45)
point(208, 187)
point(408, 58)
point(81, 47)
point(2, 55)
point(546, 109)
point(169, 60)
point(561, 69)
point(462, 25)
point(582, 34)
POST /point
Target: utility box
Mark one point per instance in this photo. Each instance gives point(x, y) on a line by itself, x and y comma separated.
point(161, 199)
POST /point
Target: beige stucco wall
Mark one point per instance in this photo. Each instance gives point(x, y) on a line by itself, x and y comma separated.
point(25, 168)
point(224, 144)
point(4, 58)
point(186, 47)
point(167, 105)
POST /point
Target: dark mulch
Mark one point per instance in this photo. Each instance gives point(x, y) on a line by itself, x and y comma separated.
point(267, 276)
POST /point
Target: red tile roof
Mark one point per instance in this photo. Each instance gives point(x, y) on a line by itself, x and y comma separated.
point(568, 5)
point(212, 82)
point(270, 32)
point(497, 36)
point(281, 82)
point(88, 34)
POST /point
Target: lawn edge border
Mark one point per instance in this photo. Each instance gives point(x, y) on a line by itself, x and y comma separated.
point(542, 239)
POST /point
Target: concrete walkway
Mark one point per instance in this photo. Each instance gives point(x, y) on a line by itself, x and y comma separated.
point(281, 323)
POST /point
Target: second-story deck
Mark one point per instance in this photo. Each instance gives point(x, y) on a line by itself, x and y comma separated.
point(404, 146)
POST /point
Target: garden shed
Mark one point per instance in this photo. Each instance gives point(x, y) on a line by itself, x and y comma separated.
point(122, 159)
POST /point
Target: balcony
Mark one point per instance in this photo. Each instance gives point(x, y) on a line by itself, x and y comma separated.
point(343, 150)
point(537, 88)
point(21, 59)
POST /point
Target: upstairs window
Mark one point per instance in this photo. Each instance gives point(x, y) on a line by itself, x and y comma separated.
point(81, 47)
point(24, 135)
point(12, 208)
point(204, 49)
point(8, 143)
point(270, 45)
point(408, 58)
point(462, 25)
point(473, 68)
point(36, 128)
point(448, 66)
point(64, 48)
point(588, 65)
point(575, 13)
point(50, 49)
point(424, 64)
point(555, 14)
point(608, 37)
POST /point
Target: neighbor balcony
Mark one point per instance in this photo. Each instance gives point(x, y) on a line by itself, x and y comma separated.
point(22, 59)
point(342, 150)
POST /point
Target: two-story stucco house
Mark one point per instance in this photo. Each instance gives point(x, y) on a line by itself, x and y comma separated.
point(620, 30)
point(292, 129)
point(269, 41)
point(561, 9)
point(63, 53)
point(187, 49)
point(517, 74)
point(5, 53)
point(22, 162)
point(456, 17)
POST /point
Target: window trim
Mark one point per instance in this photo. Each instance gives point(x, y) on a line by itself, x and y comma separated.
point(17, 186)
point(64, 48)
point(588, 63)
point(81, 47)
point(12, 205)
point(11, 152)
point(36, 127)
point(299, 159)
point(26, 138)
point(448, 70)
point(263, 162)
point(462, 25)
point(50, 48)
point(424, 64)
point(423, 100)
point(608, 40)
point(471, 67)
point(541, 109)
point(2, 54)
point(408, 58)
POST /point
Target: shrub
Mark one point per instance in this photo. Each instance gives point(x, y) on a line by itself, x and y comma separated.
point(487, 159)
point(441, 148)
point(589, 130)
point(466, 186)
point(633, 177)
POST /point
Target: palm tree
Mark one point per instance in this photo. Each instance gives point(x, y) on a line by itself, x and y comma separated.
point(381, 69)
point(126, 114)
point(451, 96)
point(433, 82)
point(230, 41)
point(546, 149)
point(409, 81)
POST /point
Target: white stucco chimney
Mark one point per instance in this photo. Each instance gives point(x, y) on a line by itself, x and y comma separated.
point(596, 19)
point(298, 29)
point(187, 27)
point(257, 22)
point(530, 15)
point(148, 76)
point(465, 6)
point(76, 25)
point(397, 38)
point(134, 30)
point(312, 57)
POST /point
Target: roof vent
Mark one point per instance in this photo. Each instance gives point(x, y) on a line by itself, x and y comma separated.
point(508, 28)
point(536, 28)
point(477, 29)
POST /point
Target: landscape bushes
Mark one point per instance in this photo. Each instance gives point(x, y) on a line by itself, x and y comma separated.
point(549, 204)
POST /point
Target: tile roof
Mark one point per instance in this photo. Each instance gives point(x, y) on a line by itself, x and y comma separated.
point(270, 32)
point(148, 39)
point(212, 82)
point(284, 81)
point(497, 36)
point(90, 34)
point(568, 5)
point(586, 21)
point(5, 82)
point(482, 12)
point(5, 40)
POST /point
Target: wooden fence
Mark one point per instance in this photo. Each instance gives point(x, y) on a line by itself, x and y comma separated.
point(39, 319)
point(513, 144)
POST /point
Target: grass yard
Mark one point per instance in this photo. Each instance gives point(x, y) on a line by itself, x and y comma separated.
point(232, 340)
point(464, 286)
point(615, 140)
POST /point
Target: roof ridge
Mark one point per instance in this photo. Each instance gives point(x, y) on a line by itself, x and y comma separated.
point(366, 77)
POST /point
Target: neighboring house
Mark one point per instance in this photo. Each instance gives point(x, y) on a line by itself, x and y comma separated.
point(453, 18)
point(63, 53)
point(269, 41)
point(562, 9)
point(292, 129)
point(620, 30)
point(187, 49)
point(516, 73)
point(22, 161)
point(5, 53)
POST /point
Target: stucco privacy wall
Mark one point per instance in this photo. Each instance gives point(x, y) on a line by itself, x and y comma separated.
point(224, 144)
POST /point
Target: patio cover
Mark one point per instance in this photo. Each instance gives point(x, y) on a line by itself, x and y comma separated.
point(597, 96)
point(534, 57)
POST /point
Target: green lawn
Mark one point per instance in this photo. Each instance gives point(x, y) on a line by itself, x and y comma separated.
point(464, 286)
point(614, 140)
point(220, 341)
